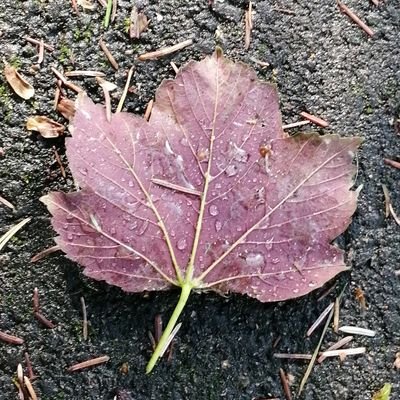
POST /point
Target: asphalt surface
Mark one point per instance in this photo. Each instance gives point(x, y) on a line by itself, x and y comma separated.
point(322, 63)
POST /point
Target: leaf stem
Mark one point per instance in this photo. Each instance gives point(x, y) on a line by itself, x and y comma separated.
point(186, 290)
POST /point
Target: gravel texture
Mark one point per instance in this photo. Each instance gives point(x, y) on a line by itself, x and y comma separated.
point(322, 63)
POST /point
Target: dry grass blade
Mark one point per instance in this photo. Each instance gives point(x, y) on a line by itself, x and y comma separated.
point(285, 384)
point(315, 354)
point(174, 67)
point(295, 125)
point(108, 54)
point(387, 200)
point(336, 315)
point(88, 363)
point(170, 339)
point(5, 337)
point(47, 128)
point(149, 107)
point(392, 163)
point(336, 346)
point(44, 253)
point(84, 322)
point(41, 52)
point(394, 215)
point(293, 356)
point(125, 91)
point(319, 320)
point(346, 10)
point(355, 330)
point(343, 352)
point(107, 88)
point(85, 73)
point(315, 120)
point(12, 231)
point(19, 84)
point(30, 389)
point(7, 203)
point(248, 25)
point(165, 51)
point(114, 10)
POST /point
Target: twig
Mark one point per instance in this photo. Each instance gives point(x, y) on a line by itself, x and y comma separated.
point(248, 25)
point(315, 354)
point(12, 231)
point(285, 384)
point(84, 322)
point(45, 253)
point(5, 337)
point(320, 319)
point(6, 203)
point(58, 159)
point(125, 92)
point(165, 51)
point(66, 82)
point(337, 345)
point(37, 42)
point(88, 363)
point(392, 163)
point(315, 120)
point(346, 10)
point(149, 107)
point(108, 54)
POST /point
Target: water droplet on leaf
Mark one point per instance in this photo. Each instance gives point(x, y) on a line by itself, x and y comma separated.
point(255, 260)
point(182, 244)
point(213, 210)
point(218, 225)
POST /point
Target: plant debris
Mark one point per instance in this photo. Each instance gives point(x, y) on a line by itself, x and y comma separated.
point(48, 128)
point(154, 55)
point(108, 54)
point(342, 342)
point(10, 339)
point(89, 363)
point(12, 231)
point(346, 10)
point(248, 25)
point(66, 108)
point(355, 330)
point(18, 83)
point(36, 311)
point(45, 253)
point(360, 297)
point(392, 163)
point(7, 203)
point(320, 319)
point(138, 23)
point(285, 384)
point(84, 319)
point(315, 120)
point(126, 89)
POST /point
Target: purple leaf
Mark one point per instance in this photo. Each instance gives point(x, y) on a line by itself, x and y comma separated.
point(209, 194)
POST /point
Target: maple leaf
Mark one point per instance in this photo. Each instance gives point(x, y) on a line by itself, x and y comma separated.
point(209, 194)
